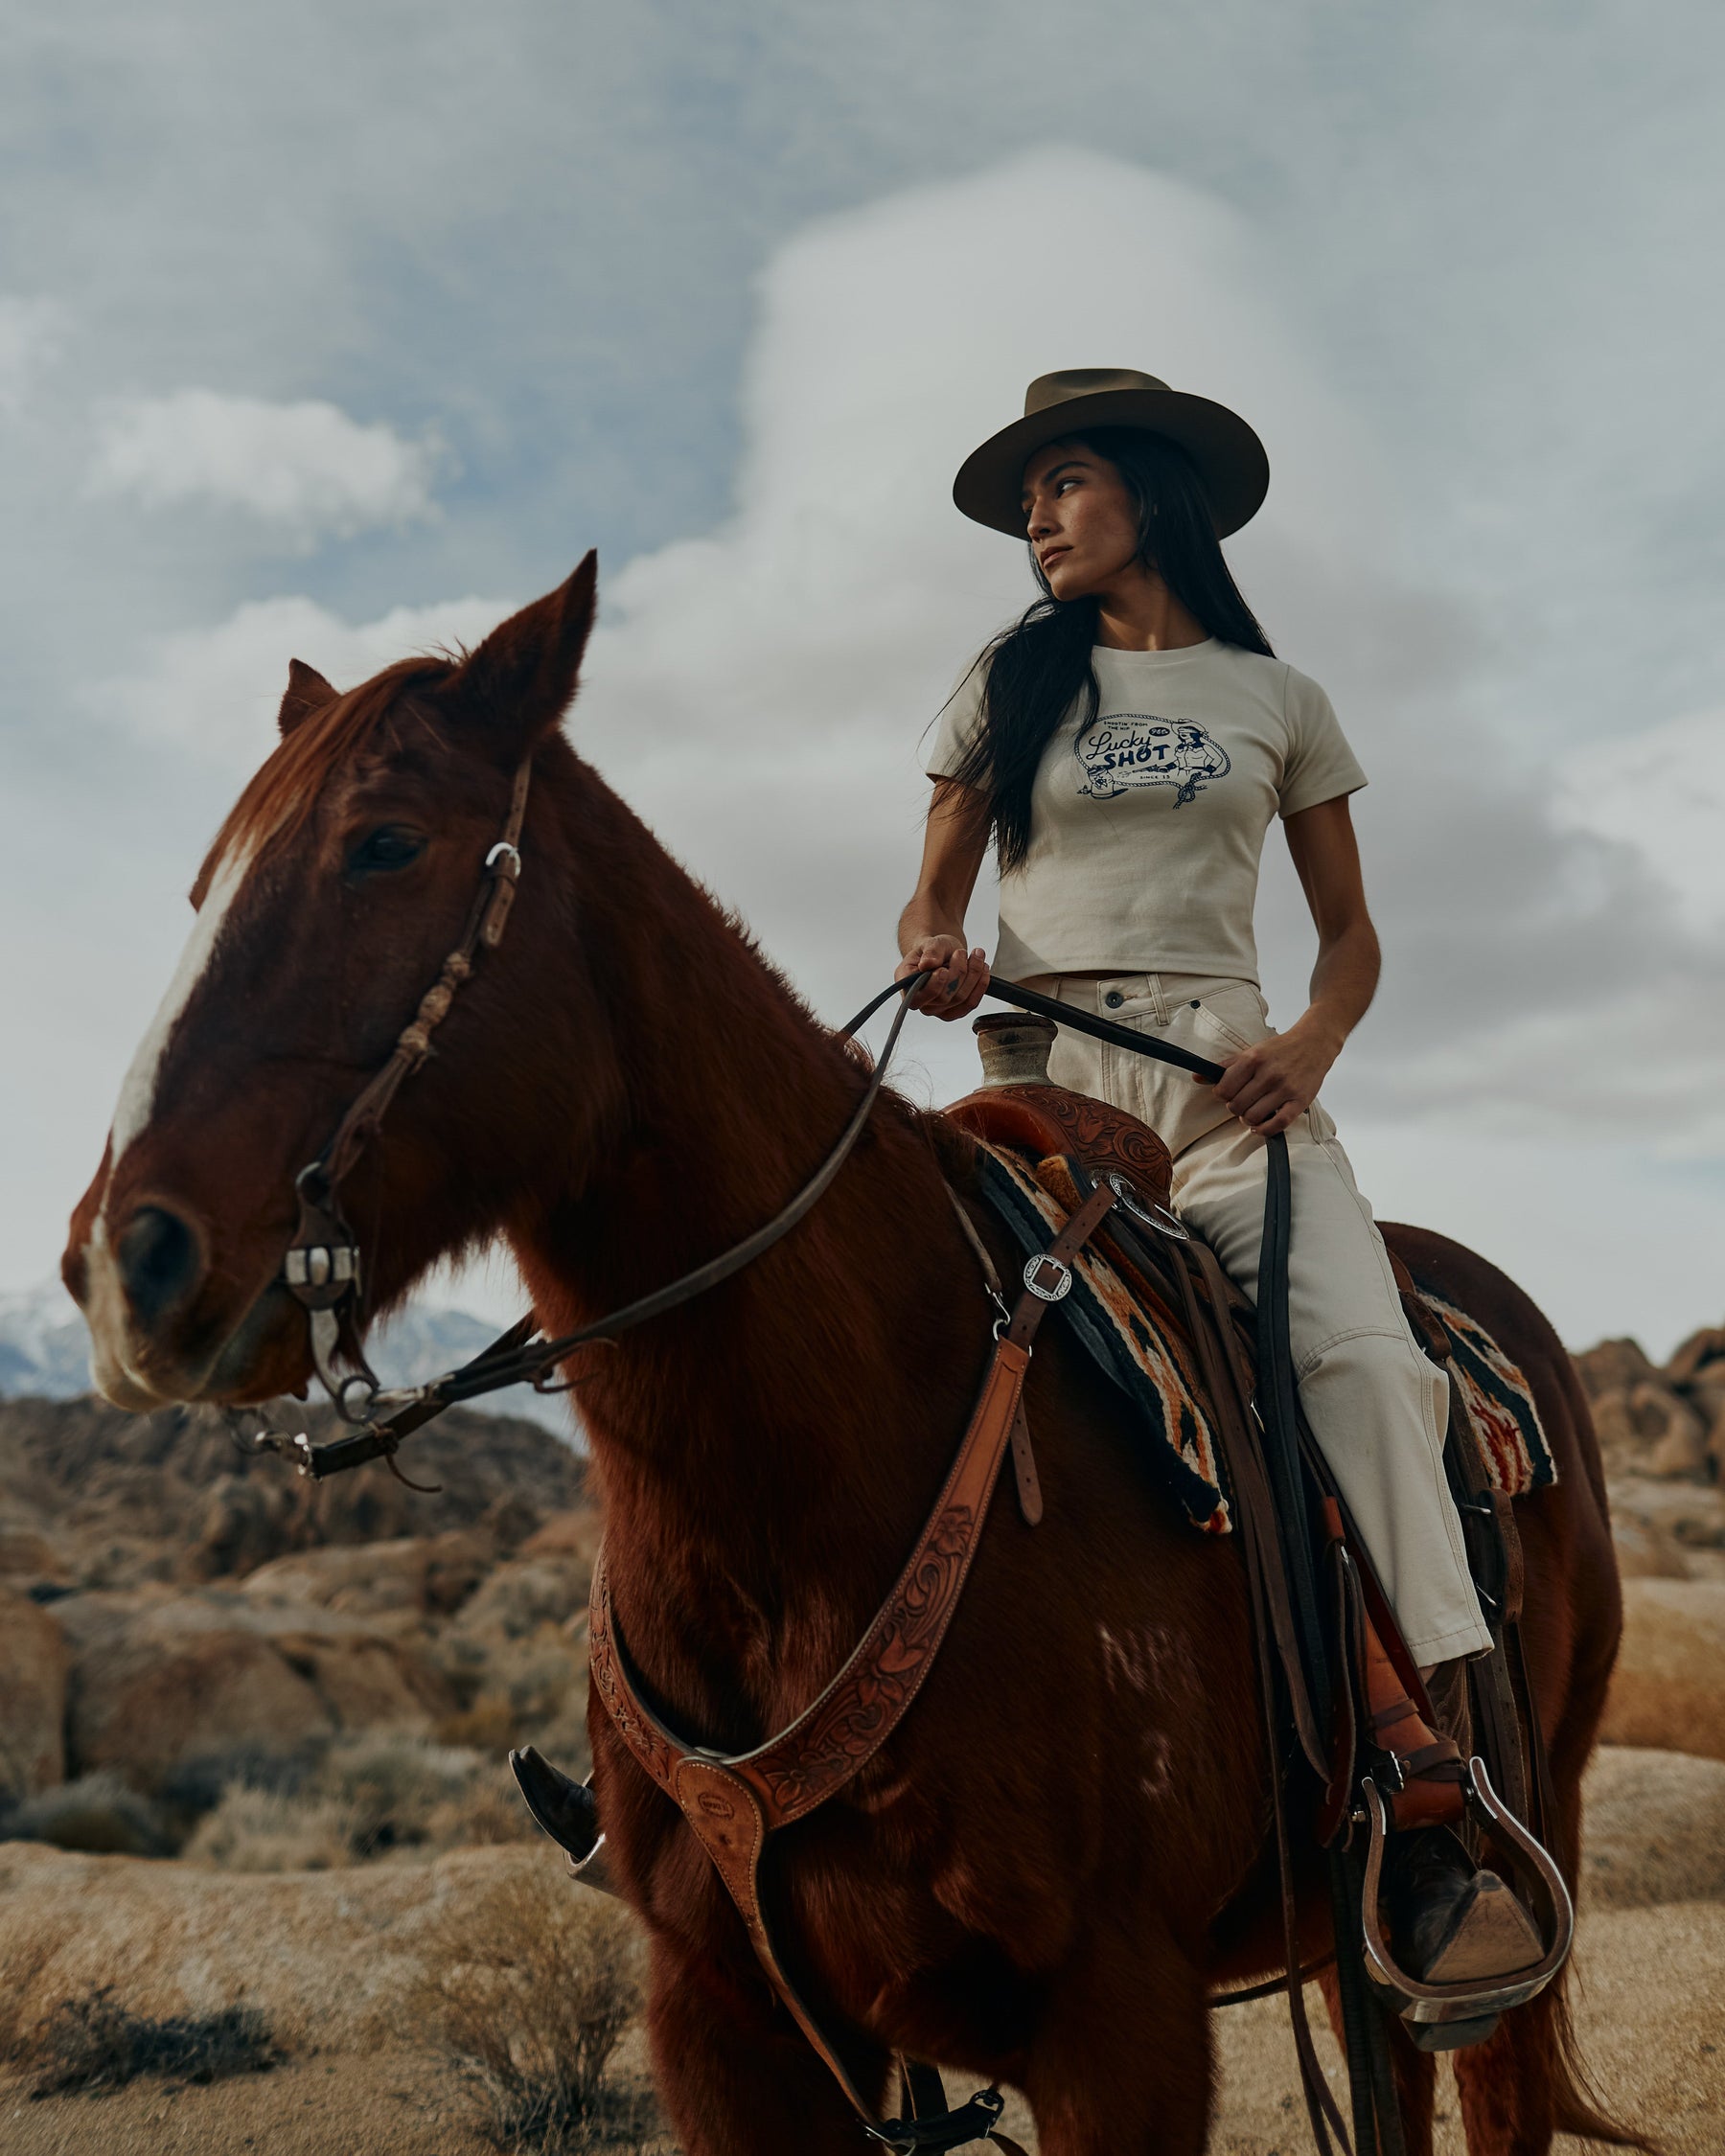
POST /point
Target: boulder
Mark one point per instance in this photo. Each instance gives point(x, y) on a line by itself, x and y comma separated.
point(1648, 1428)
point(525, 1593)
point(1645, 1549)
point(1615, 1364)
point(245, 1520)
point(1697, 1352)
point(1652, 1828)
point(161, 1684)
point(29, 1560)
point(34, 1665)
point(420, 1576)
point(367, 1680)
point(167, 1687)
point(1706, 1396)
point(1667, 1691)
point(1693, 1514)
point(566, 1534)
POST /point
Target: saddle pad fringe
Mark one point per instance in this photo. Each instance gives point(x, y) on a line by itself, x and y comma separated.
point(1518, 1454)
point(1143, 1352)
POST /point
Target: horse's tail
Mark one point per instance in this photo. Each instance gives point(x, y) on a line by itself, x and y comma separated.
point(1576, 2106)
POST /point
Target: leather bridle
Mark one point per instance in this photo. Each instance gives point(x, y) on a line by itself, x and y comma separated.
point(321, 1268)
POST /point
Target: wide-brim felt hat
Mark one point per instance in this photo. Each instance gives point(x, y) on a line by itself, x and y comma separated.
point(1229, 456)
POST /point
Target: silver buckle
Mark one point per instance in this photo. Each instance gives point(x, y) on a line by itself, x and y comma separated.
point(319, 1264)
point(1034, 1266)
point(1152, 1214)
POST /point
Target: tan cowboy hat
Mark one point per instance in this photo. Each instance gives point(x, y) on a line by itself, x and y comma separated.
point(1229, 456)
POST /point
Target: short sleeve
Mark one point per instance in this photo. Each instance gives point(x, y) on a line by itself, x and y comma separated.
point(1319, 765)
point(958, 726)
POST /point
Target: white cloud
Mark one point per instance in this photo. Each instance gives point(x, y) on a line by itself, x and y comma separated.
point(307, 470)
point(760, 693)
point(213, 692)
point(1660, 790)
point(30, 335)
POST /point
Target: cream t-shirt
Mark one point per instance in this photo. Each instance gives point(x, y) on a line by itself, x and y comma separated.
point(1146, 829)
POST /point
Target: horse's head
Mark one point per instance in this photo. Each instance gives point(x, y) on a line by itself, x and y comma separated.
point(341, 879)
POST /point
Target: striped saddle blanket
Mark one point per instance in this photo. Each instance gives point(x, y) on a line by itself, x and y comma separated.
point(1142, 1344)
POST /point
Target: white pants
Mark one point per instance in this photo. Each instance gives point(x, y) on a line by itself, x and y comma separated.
point(1377, 1406)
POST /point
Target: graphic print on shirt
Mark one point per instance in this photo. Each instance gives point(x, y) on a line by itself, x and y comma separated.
point(1133, 748)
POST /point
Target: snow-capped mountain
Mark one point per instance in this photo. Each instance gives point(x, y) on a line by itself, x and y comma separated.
point(45, 1350)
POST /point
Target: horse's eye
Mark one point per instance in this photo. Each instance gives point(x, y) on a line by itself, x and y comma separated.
point(390, 846)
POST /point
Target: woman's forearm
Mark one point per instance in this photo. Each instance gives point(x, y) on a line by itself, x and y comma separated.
point(1344, 980)
point(954, 840)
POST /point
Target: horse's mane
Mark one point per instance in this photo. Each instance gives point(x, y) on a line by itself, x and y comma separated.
point(281, 794)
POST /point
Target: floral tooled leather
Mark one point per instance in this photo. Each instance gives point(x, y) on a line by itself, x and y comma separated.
point(1043, 1119)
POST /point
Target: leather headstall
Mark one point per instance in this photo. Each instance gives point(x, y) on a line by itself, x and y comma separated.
point(733, 1803)
point(322, 1268)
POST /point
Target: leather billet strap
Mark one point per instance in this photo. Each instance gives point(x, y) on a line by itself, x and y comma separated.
point(732, 1803)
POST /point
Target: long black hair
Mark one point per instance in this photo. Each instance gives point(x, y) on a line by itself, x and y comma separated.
point(1034, 672)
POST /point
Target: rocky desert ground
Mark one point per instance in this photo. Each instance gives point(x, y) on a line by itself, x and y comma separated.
point(265, 1885)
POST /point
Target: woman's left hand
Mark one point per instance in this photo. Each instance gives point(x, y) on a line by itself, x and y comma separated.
point(1272, 1084)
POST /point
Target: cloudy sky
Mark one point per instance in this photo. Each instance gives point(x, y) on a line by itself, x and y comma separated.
point(337, 332)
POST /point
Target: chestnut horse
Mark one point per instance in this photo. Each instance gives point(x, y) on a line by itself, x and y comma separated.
point(1064, 1851)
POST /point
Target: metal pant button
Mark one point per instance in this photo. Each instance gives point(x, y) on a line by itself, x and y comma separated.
point(1113, 998)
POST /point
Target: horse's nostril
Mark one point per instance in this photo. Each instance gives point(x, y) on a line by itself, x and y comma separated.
point(160, 1262)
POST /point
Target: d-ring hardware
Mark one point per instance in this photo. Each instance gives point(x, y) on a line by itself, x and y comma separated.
point(1034, 1269)
point(1152, 1214)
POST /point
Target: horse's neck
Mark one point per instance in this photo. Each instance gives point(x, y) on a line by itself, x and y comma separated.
point(767, 1451)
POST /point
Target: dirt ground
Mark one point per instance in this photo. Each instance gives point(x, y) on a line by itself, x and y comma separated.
point(1648, 2015)
point(331, 1957)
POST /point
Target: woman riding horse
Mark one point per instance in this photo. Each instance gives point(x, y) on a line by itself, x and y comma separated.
point(1125, 744)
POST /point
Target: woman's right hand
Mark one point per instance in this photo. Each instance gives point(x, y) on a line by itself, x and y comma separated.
point(960, 977)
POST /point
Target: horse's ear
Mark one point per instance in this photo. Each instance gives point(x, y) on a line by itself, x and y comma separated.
point(519, 683)
point(307, 691)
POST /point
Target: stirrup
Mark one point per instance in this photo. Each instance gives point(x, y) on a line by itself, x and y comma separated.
point(566, 1811)
point(1446, 2016)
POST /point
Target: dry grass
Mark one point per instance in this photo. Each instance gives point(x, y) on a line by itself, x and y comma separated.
point(528, 1994)
point(364, 1796)
point(92, 2043)
point(98, 1813)
point(267, 1830)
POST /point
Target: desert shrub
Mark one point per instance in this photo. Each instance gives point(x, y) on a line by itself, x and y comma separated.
point(270, 1831)
point(365, 1796)
point(93, 2042)
point(98, 1813)
point(488, 1811)
point(196, 1785)
point(564, 1740)
point(391, 1786)
point(528, 1993)
point(488, 1725)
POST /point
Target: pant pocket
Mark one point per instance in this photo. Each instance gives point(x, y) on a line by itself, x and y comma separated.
point(1235, 1015)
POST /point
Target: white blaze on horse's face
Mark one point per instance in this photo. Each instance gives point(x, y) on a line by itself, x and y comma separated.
point(104, 1304)
point(138, 1087)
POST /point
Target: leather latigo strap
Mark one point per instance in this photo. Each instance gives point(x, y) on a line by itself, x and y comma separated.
point(733, 1803)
